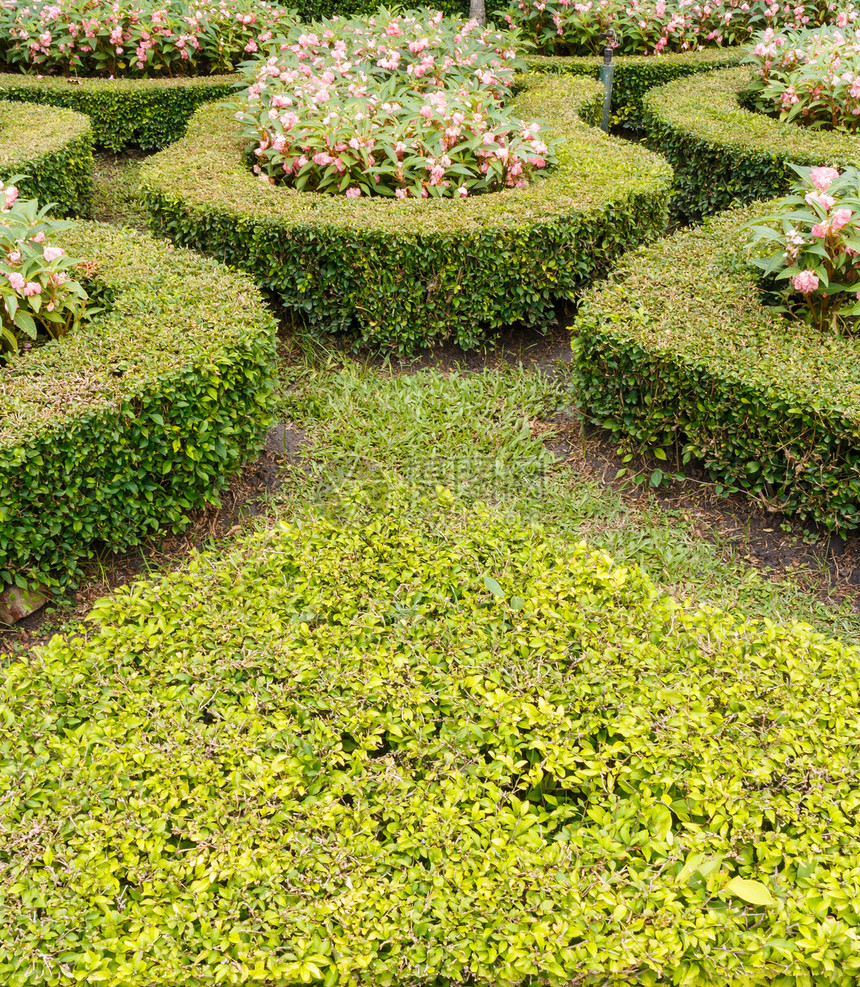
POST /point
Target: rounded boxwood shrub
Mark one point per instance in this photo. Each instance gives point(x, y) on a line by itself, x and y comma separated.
point(376, 752)
point(725, 154)
point(52, 150)
point(125, 426)
point(635, 74)
point(677, 354)
point(403, 274)
point(144, 113)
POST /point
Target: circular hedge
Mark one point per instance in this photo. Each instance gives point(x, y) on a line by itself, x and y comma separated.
point(403, 274)
point(677, 354)
point(379, 752)
point(52, 148)
point(125, 426)
point(725, 154)
point(144, 113)
point(634, 75)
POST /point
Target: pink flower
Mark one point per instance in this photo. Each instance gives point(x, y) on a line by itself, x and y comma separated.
point(32, 288)
point(16, 280)
point(821, 229)
point(11, 195)
point(840, 218)
point(821, 199)
point(39, 237)
point(426, 112)
point(823, 178)
point(14, 257)
point(53, 253)
point(353, 193)
point(401, 193)
point(805, 282)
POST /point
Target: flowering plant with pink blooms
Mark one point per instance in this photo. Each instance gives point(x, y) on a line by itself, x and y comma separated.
point(134, 37)
point(647, 27)
point(811, 77)
point(39, 297)
point(404, 105)
point(817, 246)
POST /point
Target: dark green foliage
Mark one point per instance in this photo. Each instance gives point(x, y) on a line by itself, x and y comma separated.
point(52, 150)
point(724, 154)
point(678, 357)
point(635, 74)
point(370, 752)
point(315, 9)
point(144, 113)
point(403, 274)
point(124, 427)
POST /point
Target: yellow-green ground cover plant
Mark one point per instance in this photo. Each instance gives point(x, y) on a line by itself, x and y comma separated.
point(724, 152)
point(367, 751)
point(399, 274)
point(682, 357)
point(126, 425)
point(50, 153)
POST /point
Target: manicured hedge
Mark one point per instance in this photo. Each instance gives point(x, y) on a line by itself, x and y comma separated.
point(724, 154)
point(52, 149)
point(375, 753)
point(124, 427)
point(635, 74)
point(403, 274)
point(677, 355)
point(144, 113)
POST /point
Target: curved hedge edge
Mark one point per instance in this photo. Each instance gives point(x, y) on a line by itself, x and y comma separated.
point(52, 148)
point(144, 113)
point(406, 274)
point(724, 154)
point(122, 429)
point(677, 353)
point(634, 75)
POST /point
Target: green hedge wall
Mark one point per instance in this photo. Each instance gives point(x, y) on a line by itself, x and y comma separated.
point(52, 149)
point(724, 154)
point(404, 274)
point(677, 356)
point(635, 74)
point(122, 428)
point(144, 113)
point(378, 752)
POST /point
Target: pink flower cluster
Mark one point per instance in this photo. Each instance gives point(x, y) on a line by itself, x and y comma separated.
point(654, 26)
point(811, 77)
point(398, 105)
point(134, 37)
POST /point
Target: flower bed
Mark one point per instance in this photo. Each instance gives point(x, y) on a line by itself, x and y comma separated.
point(678, 354)
point(52, 150)
point(634, 75)
point(122, 428)
point(399, 274)
point(724, 154)
point(144, 113)
point(375, 752)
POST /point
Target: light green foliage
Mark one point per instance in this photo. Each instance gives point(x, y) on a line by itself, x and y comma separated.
point(363, 752)
point(144, 113)
point(125, 426)
point(677, 354)
point(50, 150)
point(403, 274)
point(725, 154)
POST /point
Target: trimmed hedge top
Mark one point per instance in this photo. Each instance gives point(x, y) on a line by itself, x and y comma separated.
point(145, 113)
point(53, 149)
point(678, 349)
point(406, 272)
point(366, 753)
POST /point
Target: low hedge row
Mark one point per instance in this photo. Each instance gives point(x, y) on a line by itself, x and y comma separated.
point(144, 113)
point(374, 752)
point(677, 356)
point(124, 427)
point(725, 154)
point(634, 75)
point(404, 274)
point(52, 150)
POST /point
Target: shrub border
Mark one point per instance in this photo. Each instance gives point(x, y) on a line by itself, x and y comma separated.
point(124, 427)
point(409, 273)
point(52, 149)
point(144, 113)
point(724, 154)
point(678, 356)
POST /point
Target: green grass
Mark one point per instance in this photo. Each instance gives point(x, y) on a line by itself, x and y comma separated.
point(116, 178)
